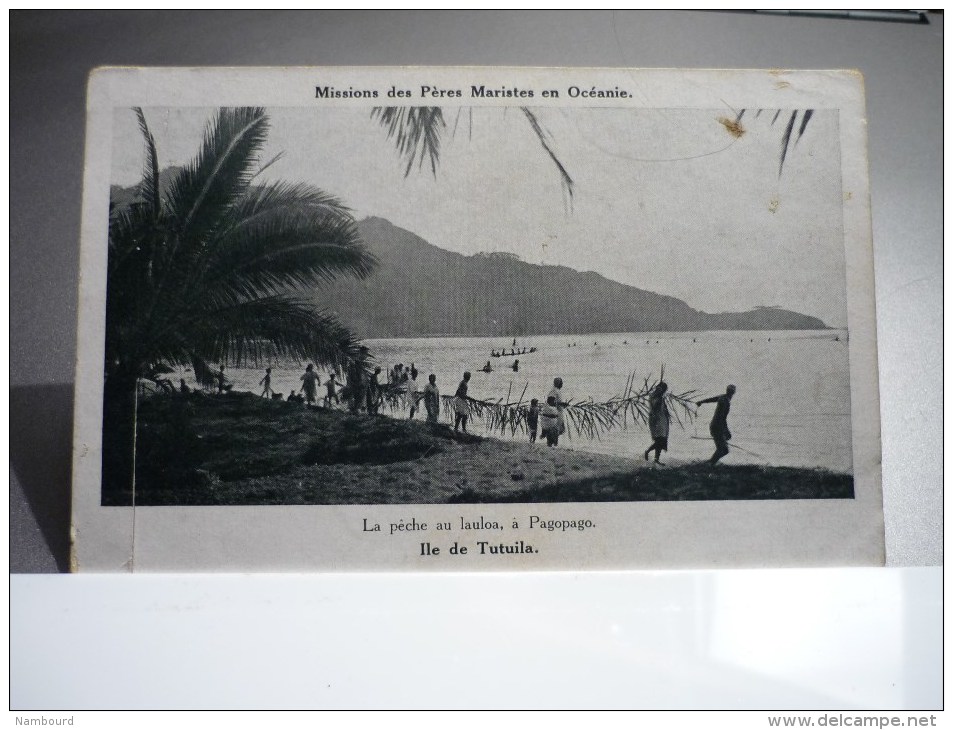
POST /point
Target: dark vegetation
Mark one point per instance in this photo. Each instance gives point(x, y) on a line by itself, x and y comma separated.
point(205, 267)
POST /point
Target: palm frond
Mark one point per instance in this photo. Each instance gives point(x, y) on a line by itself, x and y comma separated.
point(220, 174)
point(129, 227)
point(808, 113)
point(149, 187)
point(272, 161)
point(291, 237)
point(275, 197)
point(417, 131)
point(280, 326)
point(584, 418)
point(785, 139)
point(565, 179)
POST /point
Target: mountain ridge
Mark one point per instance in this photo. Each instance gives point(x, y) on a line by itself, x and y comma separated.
point(422, 290)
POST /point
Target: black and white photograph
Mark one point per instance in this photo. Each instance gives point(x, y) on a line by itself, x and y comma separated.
point(476, 359)
point(491, 292)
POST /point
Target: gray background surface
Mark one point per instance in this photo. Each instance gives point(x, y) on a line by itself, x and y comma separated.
point(51, 54)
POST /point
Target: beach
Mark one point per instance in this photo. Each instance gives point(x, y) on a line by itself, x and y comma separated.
point(240, 449)
point(792, 407)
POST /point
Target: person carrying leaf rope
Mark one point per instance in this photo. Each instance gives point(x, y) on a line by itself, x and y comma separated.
point(719, 422)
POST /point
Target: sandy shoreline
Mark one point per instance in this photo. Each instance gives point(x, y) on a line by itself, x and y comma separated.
point(491, 465)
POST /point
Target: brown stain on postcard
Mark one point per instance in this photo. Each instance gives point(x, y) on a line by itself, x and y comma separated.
point(732, 125)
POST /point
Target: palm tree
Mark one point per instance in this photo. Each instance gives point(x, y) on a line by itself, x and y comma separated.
point(208, 268)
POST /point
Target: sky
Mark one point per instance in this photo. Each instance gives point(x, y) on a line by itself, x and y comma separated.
point(664, 199)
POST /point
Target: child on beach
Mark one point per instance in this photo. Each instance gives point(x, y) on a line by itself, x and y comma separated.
point(532, 419)
point(549, 421)
point(266, 381)
point(331, 387)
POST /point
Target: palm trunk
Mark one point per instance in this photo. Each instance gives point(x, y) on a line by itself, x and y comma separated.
point(119, 439)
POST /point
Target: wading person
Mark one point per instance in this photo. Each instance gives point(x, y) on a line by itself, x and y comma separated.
point(719, 422)
point(266, 382)
point(310, 381)
point(658, 422)
point(460, 404)
point(432, 400)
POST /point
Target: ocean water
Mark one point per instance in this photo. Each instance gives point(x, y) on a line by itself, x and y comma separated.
point(791, 408)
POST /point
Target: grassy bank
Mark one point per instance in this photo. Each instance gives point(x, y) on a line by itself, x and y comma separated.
point(242, 449)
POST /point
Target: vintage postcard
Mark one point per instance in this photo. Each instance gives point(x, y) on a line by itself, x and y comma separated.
point(475, 319)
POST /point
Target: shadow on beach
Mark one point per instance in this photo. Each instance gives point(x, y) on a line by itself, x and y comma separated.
point(691, 482)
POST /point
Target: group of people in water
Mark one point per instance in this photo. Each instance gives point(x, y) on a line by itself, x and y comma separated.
point(513, 352)
point(515, 367)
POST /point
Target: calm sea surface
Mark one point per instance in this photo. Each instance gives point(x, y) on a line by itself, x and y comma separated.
point(792, 406)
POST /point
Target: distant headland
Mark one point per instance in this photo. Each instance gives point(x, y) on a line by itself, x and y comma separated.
point(421, 290)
